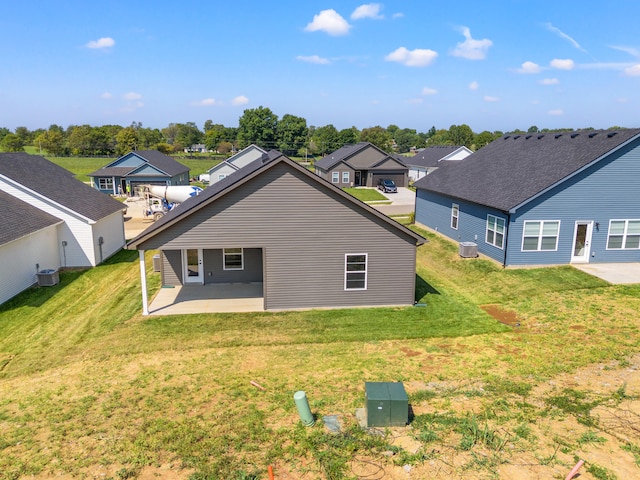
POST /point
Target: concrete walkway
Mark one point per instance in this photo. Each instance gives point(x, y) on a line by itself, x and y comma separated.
point(210, 298)
point(615, 273)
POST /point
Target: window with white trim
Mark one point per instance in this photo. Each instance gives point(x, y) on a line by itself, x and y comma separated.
point(495, 231)
point(355, 271)
point(335, 177)
point(233, 259)
point(105, 183)
point(455, 213)
point(623, 235)
point(540, 235)
point(221, 176)
point(345, 177)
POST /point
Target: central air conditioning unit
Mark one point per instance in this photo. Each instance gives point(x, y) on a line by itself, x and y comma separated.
point(468, 250)
point(48, 278)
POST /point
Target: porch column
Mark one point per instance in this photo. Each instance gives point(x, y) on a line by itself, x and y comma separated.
point(143, 283)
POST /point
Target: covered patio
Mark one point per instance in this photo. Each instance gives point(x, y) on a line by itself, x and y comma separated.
point(209, 298)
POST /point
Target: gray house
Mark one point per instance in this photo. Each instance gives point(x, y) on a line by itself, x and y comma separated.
point(542, 199)
point(429, 159)
point(304, 241)
point(142, 167)
point(361, 165)
point(241, 159)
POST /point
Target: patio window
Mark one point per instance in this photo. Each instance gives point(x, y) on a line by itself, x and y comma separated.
point(624, 235)
point(355, 271)
point(540, 235)
point(345, 177)
point(233, 259)
point(455, 212)
point(495, 231)
point(105, 183)
point(335, 177)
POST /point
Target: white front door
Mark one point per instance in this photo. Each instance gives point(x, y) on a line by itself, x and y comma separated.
point(582, 242)
point(192, 266)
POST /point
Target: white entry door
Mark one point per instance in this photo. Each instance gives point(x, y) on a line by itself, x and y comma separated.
point(582, 242)
point(192, 266)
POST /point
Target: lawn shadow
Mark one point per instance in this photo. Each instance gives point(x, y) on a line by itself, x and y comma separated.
point(423, 288)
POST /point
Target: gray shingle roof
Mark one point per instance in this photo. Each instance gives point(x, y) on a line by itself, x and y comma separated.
point(57, 184)
point(515, 168)
point(20, 219)
point(235, 179)
point(340, 155)
point(157, 159)
point(430, 156)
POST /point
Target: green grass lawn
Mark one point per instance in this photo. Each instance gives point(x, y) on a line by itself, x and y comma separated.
point(89, 387)
point(365, 194)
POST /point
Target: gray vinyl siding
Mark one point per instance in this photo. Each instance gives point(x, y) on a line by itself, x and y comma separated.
point(364, 159)
point(607, 190)
point(214, 271)
point(171, 267)
point(434, 211)
point(304, 230)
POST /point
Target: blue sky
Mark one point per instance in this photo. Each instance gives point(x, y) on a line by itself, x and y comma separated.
point(493, 65)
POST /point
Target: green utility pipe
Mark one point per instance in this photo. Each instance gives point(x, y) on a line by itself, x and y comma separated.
point(302, 404)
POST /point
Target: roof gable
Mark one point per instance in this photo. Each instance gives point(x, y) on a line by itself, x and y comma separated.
point(223, 166)
point(44, 178)
point(430, 156)
point(514, 169)
point(361, 156)
point(161, 162)
point(246, 156)
point(243, 175)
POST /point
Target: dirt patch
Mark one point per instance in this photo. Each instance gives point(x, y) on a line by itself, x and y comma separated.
point(503, 316)
point(409, 353)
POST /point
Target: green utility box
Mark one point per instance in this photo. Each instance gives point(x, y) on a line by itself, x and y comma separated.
point(386, 404)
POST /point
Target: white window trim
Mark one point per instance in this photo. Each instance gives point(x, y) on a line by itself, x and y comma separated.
point(486, 233)
point(224, 259)
point(346, 177)
point(365, 271)
point(540, 236)
point(455, 213)
point(103, 183)
point(221, 176)
point(335, 177)
point(624, 234)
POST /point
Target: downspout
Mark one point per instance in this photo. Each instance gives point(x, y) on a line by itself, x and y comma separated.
point(506, 240)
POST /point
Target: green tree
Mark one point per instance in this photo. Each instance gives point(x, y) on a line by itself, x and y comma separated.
point(149, 137)
point(126, 140)
point(292, 134)
point(325, 140)
point(407, 138)
point(258, 126)
point(188, 134)
point(11, 143)
point(170, 133)
point(461, 135)
point(377, 136)
point(52, 141)
point(24, 134)
point(482, 139)
point(79, 140)
point(533, 129)
point(348, 136)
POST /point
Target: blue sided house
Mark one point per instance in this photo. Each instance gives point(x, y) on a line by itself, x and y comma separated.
point(143, 167)
point(542, 199)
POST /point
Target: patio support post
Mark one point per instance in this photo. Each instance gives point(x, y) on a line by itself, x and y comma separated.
point(143, 283)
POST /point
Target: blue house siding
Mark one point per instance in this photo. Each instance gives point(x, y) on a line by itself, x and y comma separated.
point(607, 190)
point(434, 211)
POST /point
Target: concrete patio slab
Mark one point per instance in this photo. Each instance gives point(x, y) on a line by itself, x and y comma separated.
point(210, 298)
point(615, 273)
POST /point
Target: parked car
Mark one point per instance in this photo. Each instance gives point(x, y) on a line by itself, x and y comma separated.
point(387, 185)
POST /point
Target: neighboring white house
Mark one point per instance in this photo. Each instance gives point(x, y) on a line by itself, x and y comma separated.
point(429, 159)
point(232, 164)
point(50, 220)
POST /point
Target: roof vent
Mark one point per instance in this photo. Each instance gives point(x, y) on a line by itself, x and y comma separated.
point(558, 135)
point(574, 135)
point(540, 136)
point(507, 136)
point(516, 137)
point(593, 134)
point(611, 134)
point(528, 137)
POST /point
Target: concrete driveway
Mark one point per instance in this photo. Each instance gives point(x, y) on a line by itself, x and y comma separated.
point(403, 202)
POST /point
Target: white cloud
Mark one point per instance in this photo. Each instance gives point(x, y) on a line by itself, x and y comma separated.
point(397, 15)
point(420, 57)
point(414, 101)
point(562, 64)
point(104, 42)
point(563, 35)
point(549, 81)
point(132, 96)
point(474, 85)
point(132, 107)
point(471, 49)
point(240, 100)
point(313, 59)
point(368, 10)
point(488, 98)
point(556, 113)
point(207, 102)
point(429, 91)
point(633, 71)
point(329, 21)
point(630, 50)
point(529, 67)
point(106, 95)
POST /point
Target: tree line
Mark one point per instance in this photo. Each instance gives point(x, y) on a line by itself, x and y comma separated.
point(260, 126)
